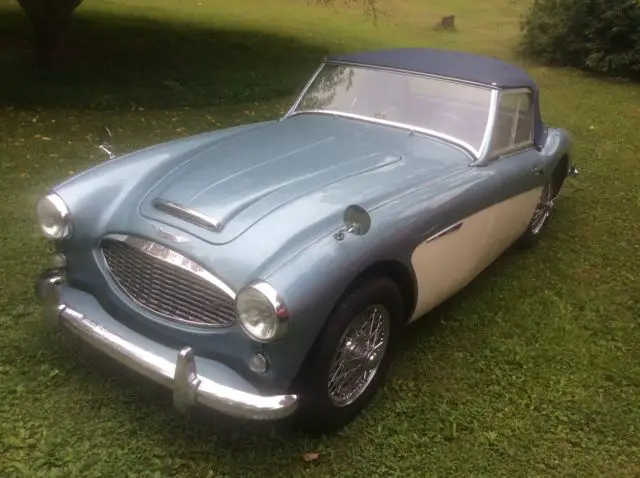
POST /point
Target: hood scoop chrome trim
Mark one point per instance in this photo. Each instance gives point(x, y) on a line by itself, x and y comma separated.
point(187, 214)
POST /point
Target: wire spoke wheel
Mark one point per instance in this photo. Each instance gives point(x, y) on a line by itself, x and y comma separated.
point(543, 209)
point(360, 351)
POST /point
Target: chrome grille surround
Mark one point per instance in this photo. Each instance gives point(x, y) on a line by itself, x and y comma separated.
point(167, 283)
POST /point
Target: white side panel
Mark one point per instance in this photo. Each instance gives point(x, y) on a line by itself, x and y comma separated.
point(445, 264)
point(512, 217)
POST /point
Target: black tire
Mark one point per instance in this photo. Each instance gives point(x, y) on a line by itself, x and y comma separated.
point(540, 217)
point(319, 413)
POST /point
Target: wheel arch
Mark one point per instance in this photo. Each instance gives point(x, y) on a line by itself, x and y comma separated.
point(394, 269)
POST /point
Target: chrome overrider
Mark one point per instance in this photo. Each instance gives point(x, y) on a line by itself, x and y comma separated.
point(189, 387)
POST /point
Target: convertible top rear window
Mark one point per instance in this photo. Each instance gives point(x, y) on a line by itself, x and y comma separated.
point(446, 107)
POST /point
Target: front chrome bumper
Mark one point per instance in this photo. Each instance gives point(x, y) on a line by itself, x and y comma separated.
point(189, 387)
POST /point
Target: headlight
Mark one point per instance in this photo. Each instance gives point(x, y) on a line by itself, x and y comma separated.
point(54, 217)
point(262, 314)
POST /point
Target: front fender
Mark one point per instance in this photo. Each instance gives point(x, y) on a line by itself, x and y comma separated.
point(313, 281)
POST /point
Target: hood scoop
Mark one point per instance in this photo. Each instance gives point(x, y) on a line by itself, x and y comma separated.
point(186, 214)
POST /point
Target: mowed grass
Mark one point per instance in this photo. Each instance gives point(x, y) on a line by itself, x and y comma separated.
point(532, 370)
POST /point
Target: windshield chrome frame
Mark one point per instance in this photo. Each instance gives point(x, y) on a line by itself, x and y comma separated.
point(485, 146)
point(477, 153)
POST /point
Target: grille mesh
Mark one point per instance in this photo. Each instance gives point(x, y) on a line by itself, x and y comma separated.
point(167, 289)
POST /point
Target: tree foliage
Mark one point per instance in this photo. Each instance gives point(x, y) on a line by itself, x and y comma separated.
point(600, 36)
point(50, 18)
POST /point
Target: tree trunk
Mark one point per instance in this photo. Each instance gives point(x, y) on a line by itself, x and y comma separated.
point(49, 19)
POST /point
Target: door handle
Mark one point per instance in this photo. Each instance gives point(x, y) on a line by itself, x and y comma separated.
point(538, 170)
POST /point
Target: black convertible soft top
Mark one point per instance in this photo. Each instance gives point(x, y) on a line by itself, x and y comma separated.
point(447, 63)
point(452, 64)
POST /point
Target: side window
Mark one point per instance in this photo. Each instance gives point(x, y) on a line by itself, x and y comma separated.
point(524, 126)
point(513, 127)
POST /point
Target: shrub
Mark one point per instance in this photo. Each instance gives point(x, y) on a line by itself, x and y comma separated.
point(601, 36)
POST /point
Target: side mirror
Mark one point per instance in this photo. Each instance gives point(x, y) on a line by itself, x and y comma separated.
point(104, 140)
point(356, 221)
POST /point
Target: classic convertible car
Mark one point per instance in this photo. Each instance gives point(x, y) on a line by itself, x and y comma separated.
point(267, 270)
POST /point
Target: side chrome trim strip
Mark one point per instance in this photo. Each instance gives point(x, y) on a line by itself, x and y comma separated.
point(447, 230)
point(190, 215)
point(172, 257)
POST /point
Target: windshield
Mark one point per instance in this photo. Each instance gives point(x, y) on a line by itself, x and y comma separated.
point(446, 107)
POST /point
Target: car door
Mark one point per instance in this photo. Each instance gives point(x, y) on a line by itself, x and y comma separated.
point(457, 250)
point(510, 184)
point(519, 167)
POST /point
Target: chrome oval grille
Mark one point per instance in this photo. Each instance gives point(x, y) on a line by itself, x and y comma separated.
point(167, 283)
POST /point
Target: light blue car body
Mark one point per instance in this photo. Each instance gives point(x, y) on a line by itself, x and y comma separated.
point(280, 189)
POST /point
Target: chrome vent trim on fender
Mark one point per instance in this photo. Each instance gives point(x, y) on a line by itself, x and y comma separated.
point(447, 230)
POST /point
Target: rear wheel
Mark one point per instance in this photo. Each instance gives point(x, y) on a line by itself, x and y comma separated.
point(540, 217)
point(350, 359)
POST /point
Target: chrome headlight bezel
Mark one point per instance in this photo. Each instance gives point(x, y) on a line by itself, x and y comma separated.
point(52, 208)
point(260, 298)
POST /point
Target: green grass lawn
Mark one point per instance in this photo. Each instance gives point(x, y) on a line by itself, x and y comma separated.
point(533, 370)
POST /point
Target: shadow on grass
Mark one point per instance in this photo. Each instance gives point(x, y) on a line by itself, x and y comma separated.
point(114, 62)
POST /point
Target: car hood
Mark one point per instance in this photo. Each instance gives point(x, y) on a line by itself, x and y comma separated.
point(239, 181)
